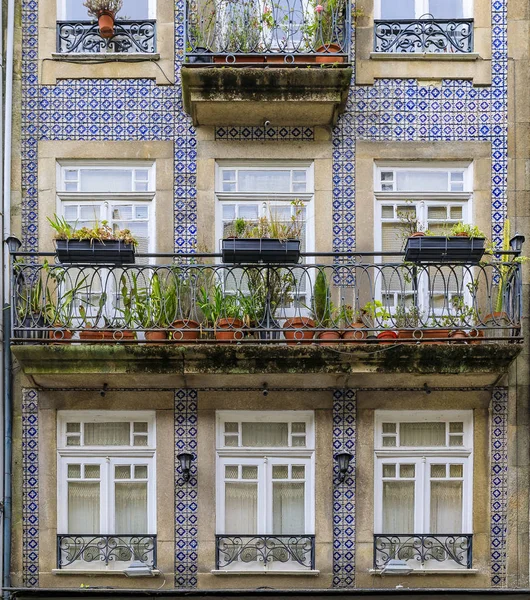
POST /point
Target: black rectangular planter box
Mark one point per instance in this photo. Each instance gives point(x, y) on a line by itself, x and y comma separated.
point(262, 250)
point(110, 252)
point(441, 249)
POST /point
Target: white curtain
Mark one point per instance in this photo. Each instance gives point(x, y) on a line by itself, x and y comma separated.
point(265, 180)
point(398, 507)
point(446, 507)
point(422, 434)
point(446, 9)
point(288, 508)
point(83, 507)
point(107, 434)
point(265, 434)
point(241, 508)
point(131, 507)
point(421, 181)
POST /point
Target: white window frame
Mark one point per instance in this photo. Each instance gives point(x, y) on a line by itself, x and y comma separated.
point(107, 457)
point(422, 8)
point(423, 457)
point(265, 458)
point(269, 198)
point(61, 9)
point(109, 199)
point(421, 201)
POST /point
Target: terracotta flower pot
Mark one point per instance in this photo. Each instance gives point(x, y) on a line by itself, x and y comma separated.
point(417, 234)
point(387, 337)
point(407, 335)
point(325, 54)
point(355, 332)
point(459, 336)
point(302, 327)
point(328, 335)
point(429, 334)
point(498, 324)
point(106, 23)
point(229, 329)
point(115, 335)
point(60, 334)
point(185, 330)
point(156, 335)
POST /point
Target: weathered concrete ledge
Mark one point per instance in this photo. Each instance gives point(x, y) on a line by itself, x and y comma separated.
point(305, 366)
point(251, 96)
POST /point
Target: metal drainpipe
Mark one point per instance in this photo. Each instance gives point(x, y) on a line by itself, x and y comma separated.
point(3, 296)
point(6, 261)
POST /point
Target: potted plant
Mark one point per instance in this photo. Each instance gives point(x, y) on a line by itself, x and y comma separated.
point(323, 309)
point(67, 291)
point(179, 304)
point(114, 328)
point(376, 314)
point(34, 306)
point(92, 245)
point(105, 12)
point(269, 240)
point(328, 30)
point(148, 308)
point(223, 311)
point(463, 243)
point(241, 33)
point(407, 320)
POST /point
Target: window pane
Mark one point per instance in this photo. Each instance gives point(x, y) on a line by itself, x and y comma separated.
point(280, 472)
point(422, 434)
point(91, 471)
point(131, 507)
point(134, 9)
point(106, 180)
point(403, 9)
point(231, 427)
point(140, 472)
point(122, 212)
point(73, 440)
point(389, 441)
point(141, 212)
point(122, 472)
point(231, 472)
point(264, 181)
point(265, 434)
point(142, 174)
point(421, 181)
point(89, 213)
point(387, 212)
point(248, 211)
point(241, 507)
point(438, 470)
point(74, 471)
point(298, 472)
point(407, 471)
point(83, 507)
point(299, 441)
point(446, 9)
point(107, 434)
point(140, 440)
point(456, 427)
point(456, 213)
point(288, 508)
point(298, 427)
point(140, 427)
point(446, 507)
point(437, 212)
point(231, 440)
point(389, 428)
point(398, 507)
point(456, 470)
point(249, 472)
point(70, 213)
point(456, 440)
point(73, 427)
point(389, 470)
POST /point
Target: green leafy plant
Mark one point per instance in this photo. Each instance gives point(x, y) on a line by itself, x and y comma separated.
point(407, 317)
point(471, 231)
point(215, 304)
point(375, 312)
point(321, 303)
point(271, 225)
point(101, 232)
point(95, 7)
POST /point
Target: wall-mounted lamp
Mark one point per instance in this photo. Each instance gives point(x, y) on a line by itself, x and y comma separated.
point(185, 459)
point(13, 244)
point(343, 460)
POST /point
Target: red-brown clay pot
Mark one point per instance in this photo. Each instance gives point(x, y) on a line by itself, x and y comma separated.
point(387, 337)
point(428, 334)
point(476, 336)
point(106, 23)
point(114, 335)
point(185, 330)
point(355, 333)
point(418, 234)
point(458, 336)
point(406, 335)
point(238, 59)
point(302, 327)
point(327, 54)
point(61, 334)
point(230, 329)
point(156, 335)
point(328, 335)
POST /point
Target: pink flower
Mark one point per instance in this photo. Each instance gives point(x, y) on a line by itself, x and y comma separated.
point(319, 8)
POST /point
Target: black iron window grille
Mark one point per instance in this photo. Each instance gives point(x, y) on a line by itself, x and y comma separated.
point(84, 37)
point(446, 36)
point(455, 549)
point(80, 548)
point(297, 551)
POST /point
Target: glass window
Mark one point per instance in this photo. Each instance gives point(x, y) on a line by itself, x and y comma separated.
point(132, 9)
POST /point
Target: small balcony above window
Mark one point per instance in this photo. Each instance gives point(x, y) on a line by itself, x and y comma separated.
point(425, 35)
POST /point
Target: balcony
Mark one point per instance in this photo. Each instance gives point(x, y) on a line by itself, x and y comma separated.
point(424, 35)
point(265, 552)
point(188, 316)
point(83, 37)
point(270, 54)
point(429, 551)
point(113, 552)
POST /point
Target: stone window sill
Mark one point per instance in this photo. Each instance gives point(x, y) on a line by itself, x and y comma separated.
point(424, 56)
point(312, 573)
point(98, 572)
point(105, 56)
point(426, 572)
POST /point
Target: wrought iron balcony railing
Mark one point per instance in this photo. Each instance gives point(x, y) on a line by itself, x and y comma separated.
point(84, 37)
point(424, 35)
point(75, 549)
point(191, 299)
point(228, 31)
point(268, 551)
point(455, 550)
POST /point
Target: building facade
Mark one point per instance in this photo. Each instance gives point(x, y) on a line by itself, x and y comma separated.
point(381, 440)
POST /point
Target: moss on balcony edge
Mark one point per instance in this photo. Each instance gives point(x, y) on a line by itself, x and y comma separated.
point(273, 359)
